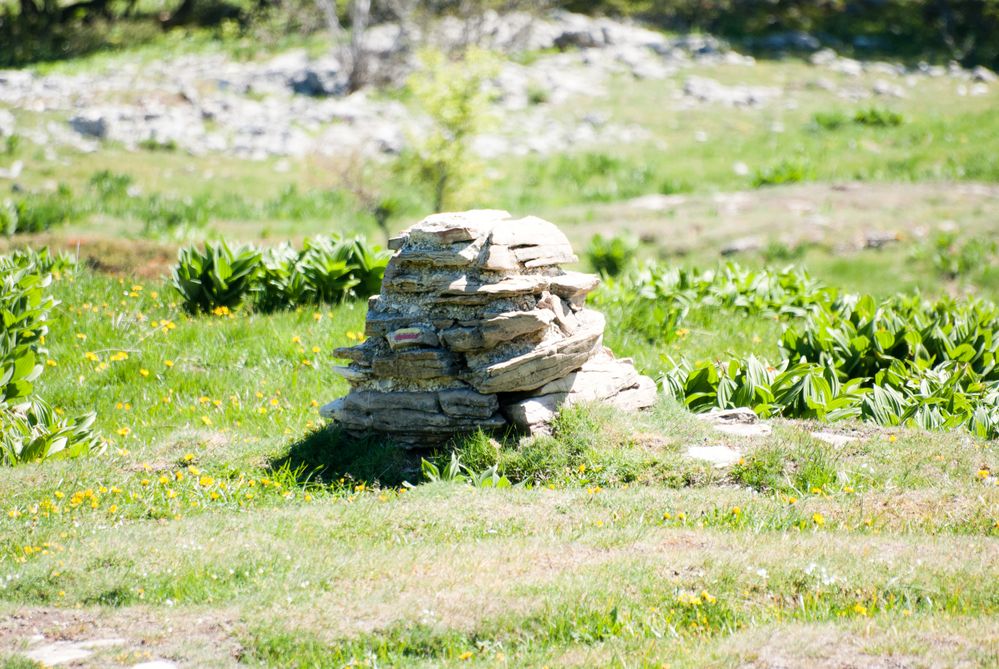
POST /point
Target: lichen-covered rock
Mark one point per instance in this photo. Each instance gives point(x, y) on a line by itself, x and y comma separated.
point(476, 327)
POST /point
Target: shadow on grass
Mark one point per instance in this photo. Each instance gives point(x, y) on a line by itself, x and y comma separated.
point(328, 454)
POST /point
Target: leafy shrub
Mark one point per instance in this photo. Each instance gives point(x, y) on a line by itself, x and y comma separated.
point(292, 205)
point(878, 117)
point(8, 217)
point(32, 431)
point(784, 172)
point(327, 270)
point(654, 299)
point(29, 429)
point(11, 143)
point(153, 144)
point(24, 310)
point(110, 184)
point(953, 257)
point(830, 120)
point(38, 212)
point(904, 361)
point(166, 214)
point(453, 95)
point(611, 255)
point(215, 277)
point(875, 117)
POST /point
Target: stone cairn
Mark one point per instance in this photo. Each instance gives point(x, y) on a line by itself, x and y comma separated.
point(477, 326)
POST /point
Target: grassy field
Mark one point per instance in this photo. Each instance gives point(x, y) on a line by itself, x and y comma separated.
point(225, 525)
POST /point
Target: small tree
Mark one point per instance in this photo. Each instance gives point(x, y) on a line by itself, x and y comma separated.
point(452, 92)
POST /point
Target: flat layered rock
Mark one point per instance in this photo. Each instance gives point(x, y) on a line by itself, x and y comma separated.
point(489, 332)
point(455, 227)
point(419, 335)
point(601, 379)
point(464, 254)
point(573, 286)
point(542, 365)
point(466, 291)
point(419, 363)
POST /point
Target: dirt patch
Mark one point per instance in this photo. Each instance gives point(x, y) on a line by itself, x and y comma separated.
point(123, 637)
point(136, 258)
point(844, 217)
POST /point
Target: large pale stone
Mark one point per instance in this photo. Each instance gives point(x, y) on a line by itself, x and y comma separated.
point(573, 286)
point(465, 402)
point(601, 379)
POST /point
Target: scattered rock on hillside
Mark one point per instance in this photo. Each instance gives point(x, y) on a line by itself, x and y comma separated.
point(741, 421)
point(834, 438)
point(703, 89)
point(58, 653)
point(720, 456)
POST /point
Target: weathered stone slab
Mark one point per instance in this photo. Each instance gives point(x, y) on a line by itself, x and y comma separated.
point(353, 373)
point(546, 363)
point(601, 379)
point(528, 231)
point(419, 282)
point(467, 403)
point(533, 413)
point(541, 256)
point(496, 257)
point(380, 323)
point(465, 291)
point(360, 354)
point(462, 254)
point(412, 336)
point(573, 286)
point(740, 422)
point(455, 227)
point(416, 363)
point(487, 333)
point(564, 316)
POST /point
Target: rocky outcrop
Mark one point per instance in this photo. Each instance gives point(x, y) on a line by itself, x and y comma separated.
point(477, 326)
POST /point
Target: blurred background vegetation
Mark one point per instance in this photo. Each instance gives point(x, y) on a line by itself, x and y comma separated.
point(938, 30)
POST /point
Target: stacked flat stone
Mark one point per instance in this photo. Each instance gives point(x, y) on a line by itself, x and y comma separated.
point(477, 326)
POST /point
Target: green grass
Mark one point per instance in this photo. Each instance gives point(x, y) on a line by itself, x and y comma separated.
point(224, 522)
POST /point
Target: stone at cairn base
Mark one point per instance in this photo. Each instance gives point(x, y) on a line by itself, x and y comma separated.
point(478, 327)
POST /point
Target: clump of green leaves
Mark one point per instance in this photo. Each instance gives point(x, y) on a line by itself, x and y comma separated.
point(456, 472)
point(904, 361)
point(784, 172)
point(215, 277)
point(830, 120)
point(955, 257)
point(873, 117)
point(29, 429)
point(878, 117)
point(609, 256)
point(38, 212)
point(327, 270)
point(654, 299)
point(33, 431)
